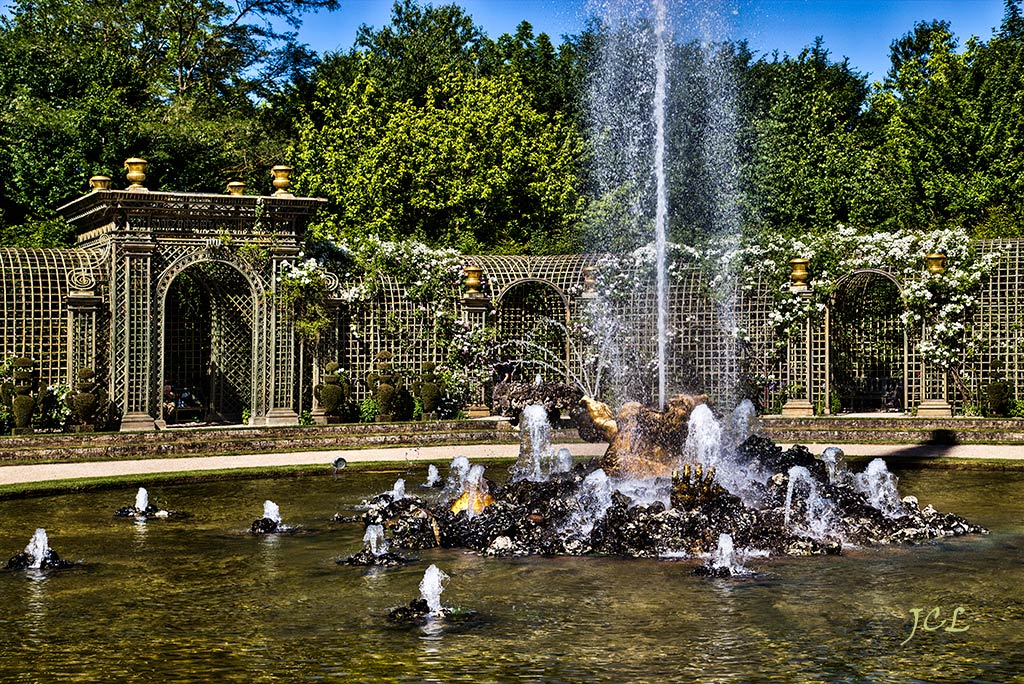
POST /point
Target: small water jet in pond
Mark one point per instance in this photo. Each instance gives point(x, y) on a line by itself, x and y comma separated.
point(270, 522)
point(428, 606)
point(37, 555)
point(537, 459)
point(723, 562)
point(879, 486)
point(835, 465)
point(819, 511)
point(433, 477)
point(375, 551)
point(144, 510)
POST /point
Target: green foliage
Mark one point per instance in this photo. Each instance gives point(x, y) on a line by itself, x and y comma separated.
point(368, 410)
point(84, 84)
point(475, 167)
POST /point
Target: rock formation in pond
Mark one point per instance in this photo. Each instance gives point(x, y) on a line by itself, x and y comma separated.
point(653, 500)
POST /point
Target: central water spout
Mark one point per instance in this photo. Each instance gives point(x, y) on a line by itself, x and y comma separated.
point(661, 214)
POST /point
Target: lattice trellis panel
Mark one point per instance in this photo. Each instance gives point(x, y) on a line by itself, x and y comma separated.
point(34, 286)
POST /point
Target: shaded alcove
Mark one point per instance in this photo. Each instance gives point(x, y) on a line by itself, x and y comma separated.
point(867, 343)
point(208, 341)
point(531, 319)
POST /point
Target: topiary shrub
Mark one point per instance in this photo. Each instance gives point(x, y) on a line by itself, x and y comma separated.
point(88, 402)
point(17, 396)
point(334, 394)
point(427, 392)
point(385, 383)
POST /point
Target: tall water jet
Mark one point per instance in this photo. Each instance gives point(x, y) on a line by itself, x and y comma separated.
point(661, 211)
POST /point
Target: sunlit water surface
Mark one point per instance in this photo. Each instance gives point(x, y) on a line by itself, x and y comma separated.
point(201, 600)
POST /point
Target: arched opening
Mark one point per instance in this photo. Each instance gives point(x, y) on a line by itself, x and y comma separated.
point(531, 319)
point(207, 345)
point(867, 344)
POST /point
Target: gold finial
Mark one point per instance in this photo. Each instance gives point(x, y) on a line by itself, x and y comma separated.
point(136, 173)
point(236, 188)
point(935, 263)
point(99, 183)
point(799, 274)
point(281, 180)
point(473, 275)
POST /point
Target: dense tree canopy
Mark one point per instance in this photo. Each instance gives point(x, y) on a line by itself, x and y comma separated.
point(427, 128)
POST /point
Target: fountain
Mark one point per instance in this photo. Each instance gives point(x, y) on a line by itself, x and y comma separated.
point(428, 606)
point(37, 555)
point(433, 477)
point(723, 562)
point(375, 551)
point(270, 522)
point(144, 510)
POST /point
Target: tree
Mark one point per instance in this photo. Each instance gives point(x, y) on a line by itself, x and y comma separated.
point(86, 83)
point(475, 167)
point(409, 55)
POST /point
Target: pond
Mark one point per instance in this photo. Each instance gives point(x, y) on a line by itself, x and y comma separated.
point(201, 600)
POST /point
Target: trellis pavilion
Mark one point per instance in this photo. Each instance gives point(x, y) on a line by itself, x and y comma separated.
point(177, 290)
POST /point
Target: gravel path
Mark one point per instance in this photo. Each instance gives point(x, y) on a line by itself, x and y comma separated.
point(44, 472)
point(16, 474)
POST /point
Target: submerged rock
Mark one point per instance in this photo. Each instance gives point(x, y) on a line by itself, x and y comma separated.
point(264, 526)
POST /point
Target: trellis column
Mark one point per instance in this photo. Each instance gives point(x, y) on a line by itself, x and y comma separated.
point(934, 380)
point(475, 306)
point(934, 388)
point(83, 313)
point(282, 349)
point(138, 329)
point(798, 401)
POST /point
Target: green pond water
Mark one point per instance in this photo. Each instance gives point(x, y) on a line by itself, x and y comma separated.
point(201, 600)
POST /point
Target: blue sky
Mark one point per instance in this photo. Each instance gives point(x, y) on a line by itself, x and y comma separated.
point(859, 29)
